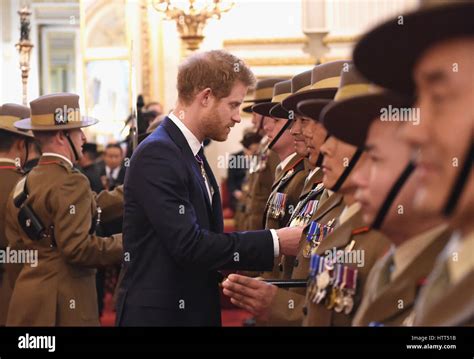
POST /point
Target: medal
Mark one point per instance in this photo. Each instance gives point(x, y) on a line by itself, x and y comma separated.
point(313, 227)
point(322, 282)
point(335, 288)
point(308, 213)
point(339, 301)
point(313, 267)
point(348, 300)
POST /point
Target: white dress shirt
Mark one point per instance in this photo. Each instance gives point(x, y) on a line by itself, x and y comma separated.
point(195, 146)
point(193, 143)
point(285, 162)
point(112, 172)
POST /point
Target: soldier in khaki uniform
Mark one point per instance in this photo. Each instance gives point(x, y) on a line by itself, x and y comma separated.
point(444, 97)
point(13, 155)
point(291, 171)
point(341, 261)
point(281, 306)
point(60, 290)
point(385, 190)
point(261, 173)
point(287, 305)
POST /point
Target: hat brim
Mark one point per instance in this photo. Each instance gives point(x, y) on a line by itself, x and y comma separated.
point(263, 108)
point(278, 111)
point(257, 100)
point(349, 120)
point(408, 41)
point(26, 124)
point(312, 108)
point(291, 102)
point(248, 109)
point(19, 132)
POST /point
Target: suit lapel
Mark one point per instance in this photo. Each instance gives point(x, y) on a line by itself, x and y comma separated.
point(178, 138)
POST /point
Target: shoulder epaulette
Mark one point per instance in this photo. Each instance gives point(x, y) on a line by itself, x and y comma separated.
point(360, 230)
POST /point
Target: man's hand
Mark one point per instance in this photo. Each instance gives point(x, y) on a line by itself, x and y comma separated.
point(250, 294)
point(238, 194)
point(289, 240)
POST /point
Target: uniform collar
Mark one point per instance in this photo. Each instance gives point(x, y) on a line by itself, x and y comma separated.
point(408, 251)
point(348, 212)
point(287, 160)
point(312, 173)
point(462, 247)
point(52, 154)
point(7, 160)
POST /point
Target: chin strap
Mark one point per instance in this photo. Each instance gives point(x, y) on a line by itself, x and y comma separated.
point(397, 186)
point(320, 159)
point(460, 183)
point(74, 151)
point(279, 134)
point(347, 170)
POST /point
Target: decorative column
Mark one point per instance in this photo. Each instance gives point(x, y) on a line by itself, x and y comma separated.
point(24, 48)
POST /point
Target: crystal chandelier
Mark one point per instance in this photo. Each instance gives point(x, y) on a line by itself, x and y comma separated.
point(191, 17)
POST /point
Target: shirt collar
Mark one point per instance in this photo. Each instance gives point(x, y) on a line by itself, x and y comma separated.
point(348, 212)
point(8, 160)
point(192, 140)
point(313, 172)
point(58, 155)
point(287, 160)
point(112, 172)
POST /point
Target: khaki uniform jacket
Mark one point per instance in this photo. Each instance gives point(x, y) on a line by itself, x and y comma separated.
point(60, 290)
point(287, 306)
point(290, 182)
point(448, 300)
point(373, 244)
point(9, 175)
point(389, 303)
point(260, 186)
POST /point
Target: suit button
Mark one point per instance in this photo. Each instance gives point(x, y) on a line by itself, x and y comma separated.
point(296, 262)
point(305, 310)
point(280, 267)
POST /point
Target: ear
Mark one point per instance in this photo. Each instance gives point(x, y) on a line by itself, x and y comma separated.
point(60, 137)
point(205, 97)
point(20, 144)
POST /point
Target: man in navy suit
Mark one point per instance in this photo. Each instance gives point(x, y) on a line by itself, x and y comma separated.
point(173, 227)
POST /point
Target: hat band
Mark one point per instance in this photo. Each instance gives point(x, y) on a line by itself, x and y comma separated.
point(353, 90)
point(326, 83)
point(8, 120)
point(280, 97)
point(304, 88)
point(56, 119)
point(263, 93)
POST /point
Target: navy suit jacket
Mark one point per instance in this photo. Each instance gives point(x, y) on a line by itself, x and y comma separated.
point(174, 240)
